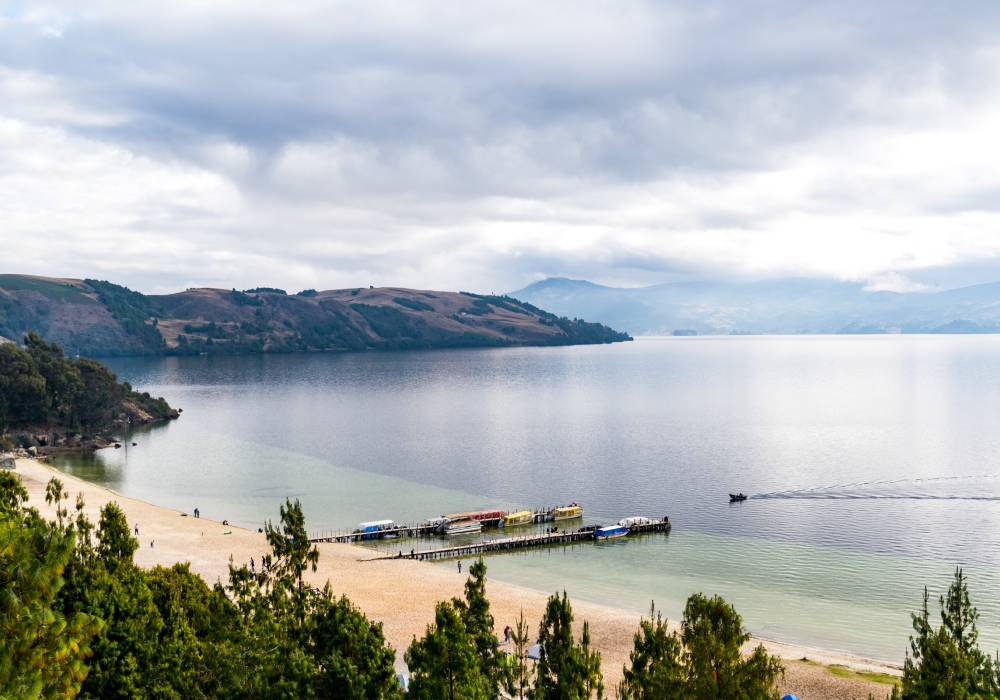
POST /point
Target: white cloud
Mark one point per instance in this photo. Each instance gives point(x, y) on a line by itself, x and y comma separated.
point(481, 146)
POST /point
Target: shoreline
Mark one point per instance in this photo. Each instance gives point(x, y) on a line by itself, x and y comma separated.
point(401, 594)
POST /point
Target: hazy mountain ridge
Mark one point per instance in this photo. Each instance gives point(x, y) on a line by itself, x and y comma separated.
point(786, 306)
point(98, 318)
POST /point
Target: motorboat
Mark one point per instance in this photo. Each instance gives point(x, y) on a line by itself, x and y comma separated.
point(573, 510)
point(737, 497)
point(487, 517)
point(463, 527)
point(610, 532)
point(521, 517)
point(376, 529)
point(437, 523)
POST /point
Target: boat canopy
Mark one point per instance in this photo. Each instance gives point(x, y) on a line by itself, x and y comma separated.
point(478, 515)
point(377, 525)
point(521, 516)
point(636, 520)
point(610, 531)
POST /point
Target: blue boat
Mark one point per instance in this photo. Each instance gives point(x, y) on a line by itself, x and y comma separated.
point(610, 532)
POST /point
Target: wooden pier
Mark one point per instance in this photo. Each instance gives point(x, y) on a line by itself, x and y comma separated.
point(506, 544)
point(401, 531)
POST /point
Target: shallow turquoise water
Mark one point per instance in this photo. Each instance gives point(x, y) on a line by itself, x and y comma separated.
point(872, 463)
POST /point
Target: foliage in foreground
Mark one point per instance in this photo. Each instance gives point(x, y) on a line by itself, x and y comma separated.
point(703, 661)
point(77, 616)
point(947, 662)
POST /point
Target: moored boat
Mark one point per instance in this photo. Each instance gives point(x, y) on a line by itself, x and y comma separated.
point(463, 527)
point(573, 510)
point(521, 517)
point(375, 528)
point(438, 522)
point(486, 517)
point(610, 532)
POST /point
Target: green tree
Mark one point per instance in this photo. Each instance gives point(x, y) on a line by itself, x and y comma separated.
point(100, 401)
point(104, 582)
point(42, 651)
point(518, 681)
point(23, 397)
point(712, 633)
point(63, 384)
point(13, 495)
point(351, 652)
point(293, 554)
point(444, 664)
point(566, 670)
point(475, 612)
point(115, 542)
point(946, 662)
point(656, 670)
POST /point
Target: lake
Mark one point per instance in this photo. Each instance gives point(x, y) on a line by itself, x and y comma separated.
point(872, 462)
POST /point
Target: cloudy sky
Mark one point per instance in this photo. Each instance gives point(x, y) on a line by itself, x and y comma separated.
point(487, 145)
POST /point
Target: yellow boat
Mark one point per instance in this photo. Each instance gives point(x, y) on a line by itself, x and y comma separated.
point(521, 517)
point(568, 512)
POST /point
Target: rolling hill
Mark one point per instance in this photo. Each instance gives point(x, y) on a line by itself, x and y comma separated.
point(98, 318)
point(786, 306)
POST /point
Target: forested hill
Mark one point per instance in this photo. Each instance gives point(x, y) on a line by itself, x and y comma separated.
point(97, 318)
point(49, 400)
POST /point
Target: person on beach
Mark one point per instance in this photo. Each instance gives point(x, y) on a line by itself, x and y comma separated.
point(251, 564)
point(137, 530)
point(151, 543)
point(197, 513)
point(460, 566)
point(506, 634)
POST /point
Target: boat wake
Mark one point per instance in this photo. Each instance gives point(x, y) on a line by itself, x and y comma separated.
point(920, 488)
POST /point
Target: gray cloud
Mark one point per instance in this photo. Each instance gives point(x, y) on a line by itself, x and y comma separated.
point(325, 144)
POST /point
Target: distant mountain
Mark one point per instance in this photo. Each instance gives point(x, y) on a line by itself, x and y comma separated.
point(781, 306)
point(98, 318)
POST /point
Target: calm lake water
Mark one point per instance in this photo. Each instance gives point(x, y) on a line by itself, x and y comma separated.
point(873, 463)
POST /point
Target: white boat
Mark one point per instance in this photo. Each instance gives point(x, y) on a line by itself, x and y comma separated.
point(463, 527)
point(438, 523)
point(636, 520)
point(375, 529)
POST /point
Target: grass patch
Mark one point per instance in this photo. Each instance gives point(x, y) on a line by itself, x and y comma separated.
point(56, 291)
point(873, 676)
point(842, 671)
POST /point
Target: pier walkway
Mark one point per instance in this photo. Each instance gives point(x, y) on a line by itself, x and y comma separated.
point(401, 531)
point(504, 544)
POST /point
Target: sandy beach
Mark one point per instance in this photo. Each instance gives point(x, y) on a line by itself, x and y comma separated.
point(401, 593)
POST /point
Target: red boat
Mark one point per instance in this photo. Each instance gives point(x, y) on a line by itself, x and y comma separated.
point(483, 516)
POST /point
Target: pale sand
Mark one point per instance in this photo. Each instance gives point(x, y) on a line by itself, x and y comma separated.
point(401, 593)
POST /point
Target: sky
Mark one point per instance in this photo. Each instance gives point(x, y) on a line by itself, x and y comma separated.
point(483, 146)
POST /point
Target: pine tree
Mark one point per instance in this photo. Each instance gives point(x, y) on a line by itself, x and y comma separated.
point(656, 670)
point(946, 662)
point(712, 633)
point(444, 664)
point(42, 651)
point(518, 682)
point(475, 613)
point(565, 670)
